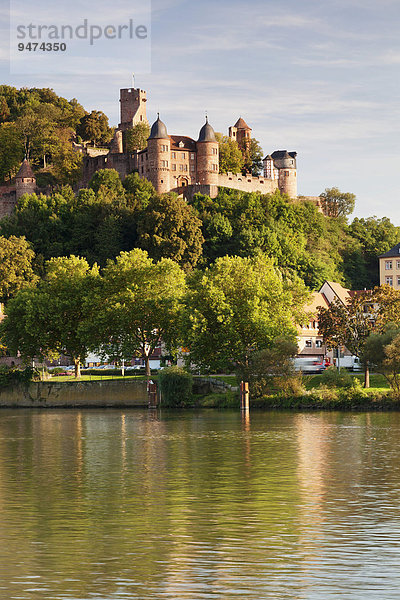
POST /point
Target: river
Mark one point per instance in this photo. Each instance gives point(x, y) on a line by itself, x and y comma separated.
point(131, 504)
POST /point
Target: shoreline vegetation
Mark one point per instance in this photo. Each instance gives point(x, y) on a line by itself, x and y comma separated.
point(221, 392)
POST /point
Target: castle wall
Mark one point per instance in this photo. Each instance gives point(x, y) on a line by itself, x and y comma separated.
point(8, 201)
point(247, 183)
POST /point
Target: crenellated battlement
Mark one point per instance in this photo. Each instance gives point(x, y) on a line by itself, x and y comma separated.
point(247, 183)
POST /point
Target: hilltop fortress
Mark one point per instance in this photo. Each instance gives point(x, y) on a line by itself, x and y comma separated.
point(173, 163)
point(183, 165)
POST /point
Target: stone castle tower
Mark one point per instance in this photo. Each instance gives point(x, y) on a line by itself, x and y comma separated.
point(158, 156)
point(25, 180)
point(207, 156)
point(240, 133)
point(133, 108)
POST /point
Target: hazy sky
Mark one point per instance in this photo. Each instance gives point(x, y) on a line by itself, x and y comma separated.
point(320, 78)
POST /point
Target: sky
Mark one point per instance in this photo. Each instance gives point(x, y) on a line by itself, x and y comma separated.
point(318, 78)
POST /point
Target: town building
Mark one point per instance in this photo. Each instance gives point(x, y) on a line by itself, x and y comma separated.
point(389, 267)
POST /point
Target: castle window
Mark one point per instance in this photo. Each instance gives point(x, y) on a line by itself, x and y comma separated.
point(192, 156)
point(388, 265)
point(173, 155)
point(261, 181)
point(389, 280)
point(192, 168)
point(183, 168)
point(164, 163)
point(164, 148)
point(397, 264)
point(286, 173)
point(318, 343)
point(215, 150)
point(215, 167)
point(308, 343)
point(141, 117)
point(183, 155)
point(174, 167)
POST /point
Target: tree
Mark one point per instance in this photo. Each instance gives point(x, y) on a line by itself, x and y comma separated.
point(107, 182)
point(11, 150)
point(94, 128)
point(141, 304)
point(349, 325)
point(336, 203)
point(16, 258)
point(136, 138)
point(53, 318)
point(382, 352)
point(230, 156)
point(372, 237)
point(170, 228)
point(387, 302)
point(252, 156)
point(239, 306)
point(138, 191)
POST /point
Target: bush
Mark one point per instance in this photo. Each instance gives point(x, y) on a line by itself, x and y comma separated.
point(331, 377)
point(176, 386)
point(13, 376)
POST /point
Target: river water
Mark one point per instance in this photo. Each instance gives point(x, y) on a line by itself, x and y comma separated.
point(137, 505)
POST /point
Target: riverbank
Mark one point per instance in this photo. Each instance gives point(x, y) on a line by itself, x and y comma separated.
point(212, 392)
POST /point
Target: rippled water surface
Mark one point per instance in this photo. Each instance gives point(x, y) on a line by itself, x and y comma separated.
point(116, 504)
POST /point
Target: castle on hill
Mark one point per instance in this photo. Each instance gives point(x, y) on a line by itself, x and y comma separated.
point(173, 163)
point(178, 163)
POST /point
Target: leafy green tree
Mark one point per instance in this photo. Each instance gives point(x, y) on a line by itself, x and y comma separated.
point(349, 325)
point(382, 352)
point(16, 272)
point(230, 156)
point(253, 157)
point(53, 318)
point(336, 203)
point(94, 128)
point(4, 110)
point(136, 138)
point(170, 228)
point(372, 237)
point(107, 182)
point(239, 306)
point(141, 304)
point(45, 221)
point(67, 165)
point(138, 191)
point(11, 150)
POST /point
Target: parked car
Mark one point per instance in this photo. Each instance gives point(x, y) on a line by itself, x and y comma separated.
point(309, 365)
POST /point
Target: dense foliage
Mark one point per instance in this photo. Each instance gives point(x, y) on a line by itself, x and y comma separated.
point(41, 125)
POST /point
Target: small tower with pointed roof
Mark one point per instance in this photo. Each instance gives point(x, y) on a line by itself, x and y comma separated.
point(159, 156)
point(25, 180)
point(240, 132)
point(207, 156)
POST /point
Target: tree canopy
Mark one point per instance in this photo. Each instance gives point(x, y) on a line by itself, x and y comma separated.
point(239, 306)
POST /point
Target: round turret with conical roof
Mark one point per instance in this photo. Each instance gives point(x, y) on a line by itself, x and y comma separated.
point(159, 156)
point(207, 156)
point(207, 133)
point(158, 130)
point(25, 180)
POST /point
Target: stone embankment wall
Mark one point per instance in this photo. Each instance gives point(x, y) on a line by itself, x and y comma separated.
point(75, 394)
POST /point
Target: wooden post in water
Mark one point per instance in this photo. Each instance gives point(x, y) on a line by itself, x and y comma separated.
point(244, 395)
point(152, 393)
